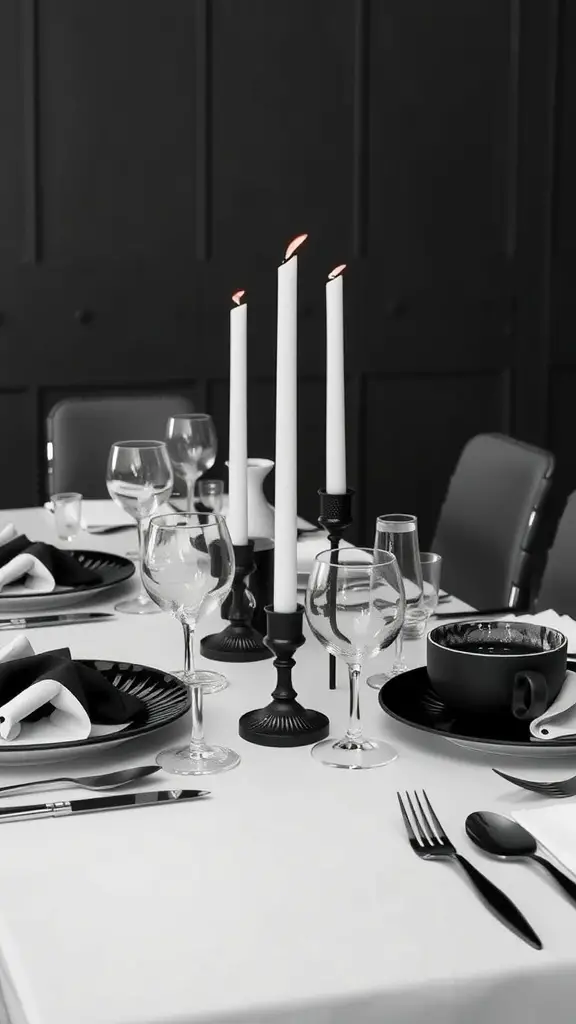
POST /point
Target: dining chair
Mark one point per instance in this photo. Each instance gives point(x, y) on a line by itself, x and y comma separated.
point(489, 523)
point(558, 585)
point(79, 432)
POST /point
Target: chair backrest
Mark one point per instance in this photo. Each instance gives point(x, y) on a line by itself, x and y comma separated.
point(81, 430)
point(558, 586)
point(490, 519)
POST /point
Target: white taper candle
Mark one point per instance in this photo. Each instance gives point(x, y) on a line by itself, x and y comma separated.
point(237, 518)
point(285, 499)
point(335, 385)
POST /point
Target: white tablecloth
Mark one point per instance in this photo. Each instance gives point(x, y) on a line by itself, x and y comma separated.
point(291, 895)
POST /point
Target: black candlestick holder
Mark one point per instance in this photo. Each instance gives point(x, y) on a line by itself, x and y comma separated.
point(283, 722)
point(335, 516)
point(239, 641)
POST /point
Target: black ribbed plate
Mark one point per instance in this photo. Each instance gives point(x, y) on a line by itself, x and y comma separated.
point(166, 699)
point(410, 699)
point(112, 570)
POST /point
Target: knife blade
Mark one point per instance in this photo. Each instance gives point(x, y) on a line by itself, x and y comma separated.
point(63, 808)
point(66, 619)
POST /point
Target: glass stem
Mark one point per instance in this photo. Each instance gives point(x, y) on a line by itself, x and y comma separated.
point(399, 653)
point(188, 629)
point(197, 737)
point(190, 489)
point(354, 730)
point(142, 596)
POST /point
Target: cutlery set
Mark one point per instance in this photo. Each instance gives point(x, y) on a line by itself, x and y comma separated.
point(494, 834)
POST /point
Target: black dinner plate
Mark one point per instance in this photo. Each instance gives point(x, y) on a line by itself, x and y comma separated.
point(111, 569)
point(165, 699)
point(410, 699)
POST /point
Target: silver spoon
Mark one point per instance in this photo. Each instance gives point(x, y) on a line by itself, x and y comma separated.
point(502, 837)
point(111, 780)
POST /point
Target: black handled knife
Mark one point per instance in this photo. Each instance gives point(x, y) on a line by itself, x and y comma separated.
point(62, 808)
point(65, 619)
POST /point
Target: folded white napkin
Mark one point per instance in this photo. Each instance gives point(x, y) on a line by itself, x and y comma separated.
point(554, 827)
point(560, 718)
point(69, 720)
point(8, 532)
point(26, 574)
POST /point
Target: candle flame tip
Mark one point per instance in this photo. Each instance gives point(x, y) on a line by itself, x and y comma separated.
point(238, 296)
point(336, 272)
point(294, 244)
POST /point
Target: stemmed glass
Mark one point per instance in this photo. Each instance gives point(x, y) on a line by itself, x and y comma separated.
point(192, 445)
point(398, 533)
point(355, 608)
point(139, 478)
point(188, 570)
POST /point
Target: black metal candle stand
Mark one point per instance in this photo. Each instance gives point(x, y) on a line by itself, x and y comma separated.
point(283, 722)
point(239, 641)
point(335, 517)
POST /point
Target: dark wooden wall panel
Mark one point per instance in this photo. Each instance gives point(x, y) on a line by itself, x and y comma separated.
point(439, 139)
point(417, 426)
point(117, 130)
point(12, 73)
point(282, 127)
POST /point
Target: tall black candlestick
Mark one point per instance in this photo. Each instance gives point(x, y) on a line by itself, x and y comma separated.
point(239, 641)
point(335, 517)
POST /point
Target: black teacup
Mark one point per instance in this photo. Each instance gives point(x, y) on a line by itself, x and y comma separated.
point(497, 667)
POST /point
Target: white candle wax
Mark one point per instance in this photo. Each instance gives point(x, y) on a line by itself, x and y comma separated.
point(237, 518)
point(335, 389)
point(285, 527)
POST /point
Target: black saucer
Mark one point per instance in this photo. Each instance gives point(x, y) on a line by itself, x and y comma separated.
point(410, 699)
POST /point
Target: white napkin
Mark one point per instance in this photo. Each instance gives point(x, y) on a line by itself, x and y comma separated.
point(69, 720)
point(560, 718)
point(101, 512)
point(554, 827)
point(8, 532)
point(26, 574)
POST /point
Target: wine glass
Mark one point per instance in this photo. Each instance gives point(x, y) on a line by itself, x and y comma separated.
point(192, 446)
point(188, 569)
point(355, 608)
point(139, 478)
point(398, 533)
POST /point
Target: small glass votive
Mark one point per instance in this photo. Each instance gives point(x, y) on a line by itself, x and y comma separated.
point(210, 496)
point(67, 508)
point(431, 571)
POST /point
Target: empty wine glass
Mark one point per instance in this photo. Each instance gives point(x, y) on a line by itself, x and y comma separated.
point(188, 570)
point(187, 577)
point(139, 478)
point(355, 608)
point(210, 495)
point(192, 446)
point(398, 533)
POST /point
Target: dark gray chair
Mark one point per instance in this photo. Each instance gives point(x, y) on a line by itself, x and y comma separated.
point(558, 586)
point(489, 522)
point(79, 432)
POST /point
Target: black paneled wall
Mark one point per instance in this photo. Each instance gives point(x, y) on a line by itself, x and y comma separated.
point(159, 154)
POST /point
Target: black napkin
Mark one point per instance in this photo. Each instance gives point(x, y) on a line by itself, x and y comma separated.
point(66, 569)
point(103, 702)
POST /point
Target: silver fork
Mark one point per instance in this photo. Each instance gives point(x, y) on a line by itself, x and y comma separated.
point(429, 841)
point(560, 788)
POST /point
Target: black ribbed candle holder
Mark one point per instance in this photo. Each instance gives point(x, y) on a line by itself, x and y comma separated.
point(284, 722)
point(335, 517)
point(239, 641)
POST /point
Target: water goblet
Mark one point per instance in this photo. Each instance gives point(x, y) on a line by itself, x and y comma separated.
point(355, 608)
point(398, 533)
point(139, 478)
point(188, 570)
point(192, 446)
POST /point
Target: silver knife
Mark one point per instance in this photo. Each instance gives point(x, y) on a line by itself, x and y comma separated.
point(62, 808)
point(68, 619)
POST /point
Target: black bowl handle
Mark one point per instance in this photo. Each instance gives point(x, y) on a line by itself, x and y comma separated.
point(529, 695)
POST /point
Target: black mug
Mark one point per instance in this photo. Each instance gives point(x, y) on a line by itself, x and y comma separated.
point(493, 668)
